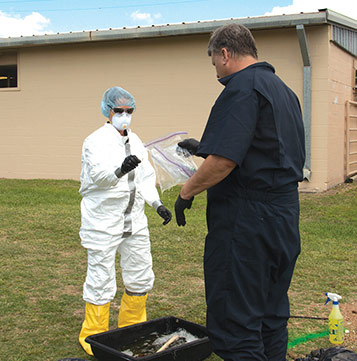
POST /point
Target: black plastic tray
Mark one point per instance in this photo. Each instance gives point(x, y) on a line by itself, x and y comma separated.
point(104, 345)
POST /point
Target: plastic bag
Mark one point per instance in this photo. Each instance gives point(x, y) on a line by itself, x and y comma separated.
point(173, 165)
point(337, 353)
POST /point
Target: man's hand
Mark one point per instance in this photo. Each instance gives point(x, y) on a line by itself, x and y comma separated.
point(180, 206)
point(164, 213)
point(190, 144)
point(130, 163)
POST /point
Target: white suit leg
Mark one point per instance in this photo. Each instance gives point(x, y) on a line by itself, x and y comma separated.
point(136, 263)
point(100, 285)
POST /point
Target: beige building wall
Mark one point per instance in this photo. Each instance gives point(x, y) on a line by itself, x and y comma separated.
point(341, 81)
point(332, 82)
point(281, 48)
point(43, 123)
point(318, 42)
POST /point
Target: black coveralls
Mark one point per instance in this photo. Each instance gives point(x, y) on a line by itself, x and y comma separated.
point(253, 236)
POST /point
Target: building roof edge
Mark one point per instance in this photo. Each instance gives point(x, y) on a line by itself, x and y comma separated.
point(324, 16)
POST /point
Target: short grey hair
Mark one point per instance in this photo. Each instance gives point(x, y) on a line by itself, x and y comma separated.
point(236, 38)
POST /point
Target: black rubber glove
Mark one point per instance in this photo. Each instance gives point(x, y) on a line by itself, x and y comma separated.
point(180, 206)
point(130, 163)
point(164, 213)
point(190, 144)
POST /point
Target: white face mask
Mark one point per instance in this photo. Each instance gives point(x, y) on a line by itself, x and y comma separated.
point(121, 121)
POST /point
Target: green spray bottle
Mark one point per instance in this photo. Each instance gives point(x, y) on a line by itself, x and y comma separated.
point(335, 320)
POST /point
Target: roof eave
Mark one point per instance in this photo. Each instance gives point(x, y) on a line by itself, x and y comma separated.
point(200, 27)
point(339, 19)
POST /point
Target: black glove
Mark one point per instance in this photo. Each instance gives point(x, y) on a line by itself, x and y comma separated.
point(190, 144)
point(130, 163)
point(180, 206)
point(164, 213)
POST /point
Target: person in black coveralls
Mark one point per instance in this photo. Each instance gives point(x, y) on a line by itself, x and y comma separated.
point(254, 151)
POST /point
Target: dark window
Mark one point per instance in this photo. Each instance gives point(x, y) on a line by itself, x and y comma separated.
point(8, 76)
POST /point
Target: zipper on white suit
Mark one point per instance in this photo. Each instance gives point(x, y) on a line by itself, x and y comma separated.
point(128, 225)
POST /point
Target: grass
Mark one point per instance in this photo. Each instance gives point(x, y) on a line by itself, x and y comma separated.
point(43, 267)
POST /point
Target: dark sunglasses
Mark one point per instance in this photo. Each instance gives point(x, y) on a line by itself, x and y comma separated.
point(122, 110)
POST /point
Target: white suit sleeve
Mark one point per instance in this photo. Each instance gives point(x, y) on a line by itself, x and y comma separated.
point(98, 166)
point(147, 182)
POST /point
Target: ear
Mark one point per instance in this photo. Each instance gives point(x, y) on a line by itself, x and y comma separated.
point(111, 113)
point(226, 55)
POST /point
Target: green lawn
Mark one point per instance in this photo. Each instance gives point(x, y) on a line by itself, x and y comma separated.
point(43, 267)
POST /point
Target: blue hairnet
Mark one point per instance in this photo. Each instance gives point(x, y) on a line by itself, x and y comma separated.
point(116, 97)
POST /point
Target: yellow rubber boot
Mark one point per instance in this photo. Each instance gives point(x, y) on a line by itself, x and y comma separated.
point(96, 321)
point(132, 310)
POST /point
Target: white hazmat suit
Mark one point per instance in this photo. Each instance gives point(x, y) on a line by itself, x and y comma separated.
point(113, 219)
point(113, 216)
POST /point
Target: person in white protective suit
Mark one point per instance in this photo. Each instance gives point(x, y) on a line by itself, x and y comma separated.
point(116, 181)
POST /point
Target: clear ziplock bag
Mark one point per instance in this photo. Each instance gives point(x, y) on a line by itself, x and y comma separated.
point(173, 165)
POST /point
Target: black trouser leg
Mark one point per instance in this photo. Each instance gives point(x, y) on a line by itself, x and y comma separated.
point(248, 268)
point(274, 327)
